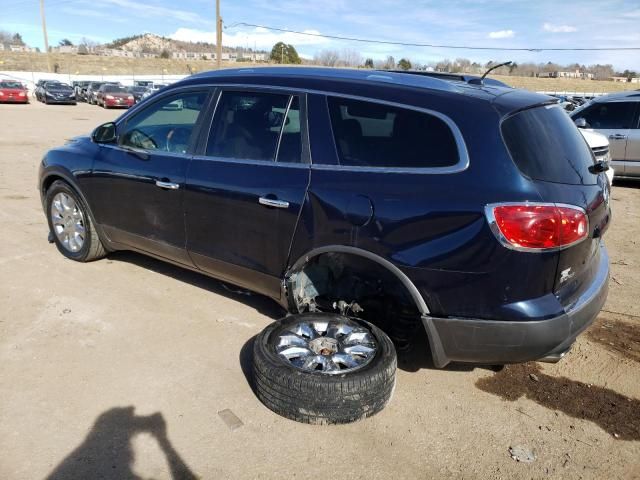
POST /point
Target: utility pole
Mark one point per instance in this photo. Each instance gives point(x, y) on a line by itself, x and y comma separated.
point(44, 32)
point(218, 36)
point(282, 54)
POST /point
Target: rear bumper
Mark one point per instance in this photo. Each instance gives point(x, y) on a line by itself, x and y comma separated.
point(497, 342)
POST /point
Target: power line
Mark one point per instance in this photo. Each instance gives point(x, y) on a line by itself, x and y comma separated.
point(432, 45)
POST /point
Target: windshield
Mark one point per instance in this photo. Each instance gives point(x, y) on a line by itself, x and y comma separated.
point(11, 85)
point(138, 89)
point(546, 145)
point(58, 86)
point(115, 89)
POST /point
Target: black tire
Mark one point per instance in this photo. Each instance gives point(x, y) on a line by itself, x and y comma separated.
point(320, 398)
point(92, 248)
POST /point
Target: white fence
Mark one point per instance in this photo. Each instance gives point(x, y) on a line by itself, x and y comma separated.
point(30, 78)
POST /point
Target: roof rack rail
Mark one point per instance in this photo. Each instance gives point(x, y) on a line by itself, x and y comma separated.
point(454, 77)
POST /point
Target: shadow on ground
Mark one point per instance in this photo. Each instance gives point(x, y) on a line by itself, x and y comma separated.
point(106, 452)
point(260, 303)
point(611, 411)
point(617, 336)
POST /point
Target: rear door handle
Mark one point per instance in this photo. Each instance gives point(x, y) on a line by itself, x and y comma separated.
point(167, 185)
point(618, 136)
point(270, 202)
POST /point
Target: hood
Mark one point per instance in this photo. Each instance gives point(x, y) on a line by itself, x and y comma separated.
point(594, 139)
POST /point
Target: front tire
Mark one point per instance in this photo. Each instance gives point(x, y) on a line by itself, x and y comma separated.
point(344, 371)
point(70, 223)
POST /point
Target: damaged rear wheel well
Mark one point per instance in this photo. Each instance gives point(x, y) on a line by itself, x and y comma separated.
point(357, 283)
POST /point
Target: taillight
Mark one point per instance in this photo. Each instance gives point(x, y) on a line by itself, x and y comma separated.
point(537, 226)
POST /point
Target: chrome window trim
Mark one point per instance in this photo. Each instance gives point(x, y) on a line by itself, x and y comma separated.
point(236, 161)
point(284, 124)
point(463, 155)
point(493, 225)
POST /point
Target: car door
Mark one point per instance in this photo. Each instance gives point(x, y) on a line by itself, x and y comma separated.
point(614, 120)
point(632, 158)
point(246, 187)
point(137, 184)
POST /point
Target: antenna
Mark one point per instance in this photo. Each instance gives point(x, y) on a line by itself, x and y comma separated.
point(480, 81)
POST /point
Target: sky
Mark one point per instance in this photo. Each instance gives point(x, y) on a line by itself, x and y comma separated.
point(486, 23)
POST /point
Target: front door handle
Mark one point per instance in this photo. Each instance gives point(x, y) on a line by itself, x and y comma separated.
point(618, 136)
point(167, 185)
point(271, 202)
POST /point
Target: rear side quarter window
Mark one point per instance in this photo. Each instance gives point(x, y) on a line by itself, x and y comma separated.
point(370, 134)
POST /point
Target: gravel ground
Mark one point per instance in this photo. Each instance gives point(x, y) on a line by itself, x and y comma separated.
point(119, 369)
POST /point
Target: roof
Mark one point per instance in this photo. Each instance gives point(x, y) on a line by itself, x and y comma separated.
point(629, 96)
point(331, 74)
point(363, 82)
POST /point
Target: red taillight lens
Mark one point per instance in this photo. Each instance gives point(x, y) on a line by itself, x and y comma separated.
point(538, 227)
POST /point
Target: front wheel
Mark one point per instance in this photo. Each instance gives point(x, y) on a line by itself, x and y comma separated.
point(69, 221)
point(322, 368)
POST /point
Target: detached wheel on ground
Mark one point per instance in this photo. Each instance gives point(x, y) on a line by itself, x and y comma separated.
point(322, 368)
point(70, 224)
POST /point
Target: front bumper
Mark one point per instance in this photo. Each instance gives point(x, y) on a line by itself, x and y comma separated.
point(61, 100)
point(496, 342)
point(14, 99)
point(115, 103)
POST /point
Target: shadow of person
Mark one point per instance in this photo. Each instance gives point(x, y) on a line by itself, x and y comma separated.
point(106, 452)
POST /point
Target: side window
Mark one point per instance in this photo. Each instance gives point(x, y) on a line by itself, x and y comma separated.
point(610, 115)
point(376, 135)
point(167, 125)
point(256, 126)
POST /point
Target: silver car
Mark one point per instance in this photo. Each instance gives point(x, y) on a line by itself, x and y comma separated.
point(617, 116)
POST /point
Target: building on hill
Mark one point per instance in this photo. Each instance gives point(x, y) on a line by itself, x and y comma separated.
point(65, 49)
point(20, 48)
point(575, 74)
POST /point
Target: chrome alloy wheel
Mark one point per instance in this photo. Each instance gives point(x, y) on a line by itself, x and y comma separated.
point(68, 222)
point(331, 347)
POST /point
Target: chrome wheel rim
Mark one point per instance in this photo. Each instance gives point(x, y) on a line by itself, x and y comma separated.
point(329, 347)
point(68, 222)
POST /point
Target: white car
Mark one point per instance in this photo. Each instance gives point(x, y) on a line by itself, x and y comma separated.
point(599, 145)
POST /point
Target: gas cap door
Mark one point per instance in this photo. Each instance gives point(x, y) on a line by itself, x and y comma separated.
point(359, 210)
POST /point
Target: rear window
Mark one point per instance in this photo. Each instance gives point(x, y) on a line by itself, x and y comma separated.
point(371, 134)
point(546, 145)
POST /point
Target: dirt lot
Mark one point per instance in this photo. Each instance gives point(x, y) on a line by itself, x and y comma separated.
point(118, 368)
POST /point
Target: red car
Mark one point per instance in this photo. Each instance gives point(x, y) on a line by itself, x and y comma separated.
point(114, 96)
point(13, 92)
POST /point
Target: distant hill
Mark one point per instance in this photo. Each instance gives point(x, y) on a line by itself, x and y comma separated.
point(151, 43)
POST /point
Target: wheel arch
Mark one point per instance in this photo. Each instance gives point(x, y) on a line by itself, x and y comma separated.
point(49, 178)
point(413, 291)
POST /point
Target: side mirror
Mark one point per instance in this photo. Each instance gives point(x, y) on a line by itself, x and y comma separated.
point(581, 123)
point(105, 133)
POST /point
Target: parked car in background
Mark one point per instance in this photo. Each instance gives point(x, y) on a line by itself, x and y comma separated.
point(155, 88)
point(138, 92)
point(92, 91)
point(109, 96)
point(56, 92)
point(143, 83)
point(37, 91)
point(12, 91)
point(367, 204)
point(81, 88)
point(617, 116)
point(599, 145)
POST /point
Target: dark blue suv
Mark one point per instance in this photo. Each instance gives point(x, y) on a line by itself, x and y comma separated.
point(473, 210)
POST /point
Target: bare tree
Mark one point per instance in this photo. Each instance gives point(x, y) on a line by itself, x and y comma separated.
point(328, 58)
point(350, 58)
